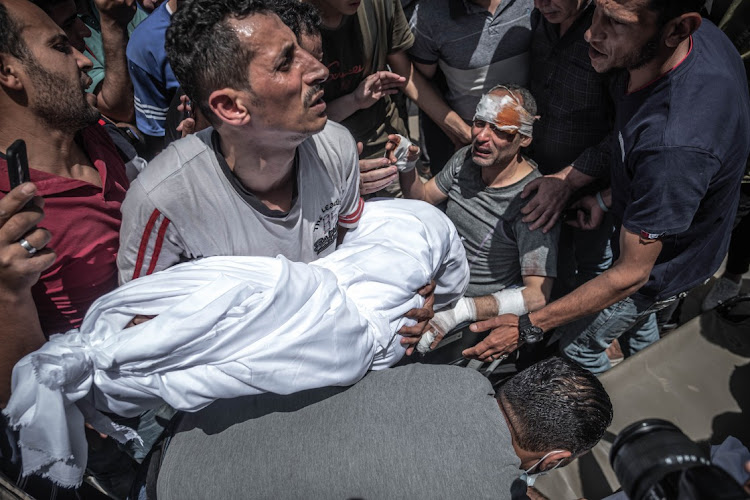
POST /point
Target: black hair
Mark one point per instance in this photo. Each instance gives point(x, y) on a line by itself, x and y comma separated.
point(204, 51)
point(556, 404)
point(11, 41)
point(302, 18)
point(669, 9)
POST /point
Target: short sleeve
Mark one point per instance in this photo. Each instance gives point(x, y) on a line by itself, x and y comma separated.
point(401, 36)
point(446, 177)
point(425, 50)
point(148, 240)
point(537, 251)
point(151, 106)
point(667, 187)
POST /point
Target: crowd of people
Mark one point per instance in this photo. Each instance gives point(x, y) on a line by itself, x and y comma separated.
point(591, 155)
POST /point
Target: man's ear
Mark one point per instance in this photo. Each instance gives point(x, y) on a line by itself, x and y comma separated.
point(525, 141)
point(680, 28)
point(554, 459)
point(229, 106)
point(9, 70)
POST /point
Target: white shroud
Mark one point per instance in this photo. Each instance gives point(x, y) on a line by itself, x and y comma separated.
point(233, 326)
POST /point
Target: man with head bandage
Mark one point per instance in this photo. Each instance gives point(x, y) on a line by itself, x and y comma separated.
point(512, 267)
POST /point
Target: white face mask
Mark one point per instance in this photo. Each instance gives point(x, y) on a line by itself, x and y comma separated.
point(531, 478)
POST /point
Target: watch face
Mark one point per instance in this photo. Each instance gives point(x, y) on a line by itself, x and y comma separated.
point(532, 335)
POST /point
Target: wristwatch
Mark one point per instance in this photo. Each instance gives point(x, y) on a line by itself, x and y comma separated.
point(527, 332)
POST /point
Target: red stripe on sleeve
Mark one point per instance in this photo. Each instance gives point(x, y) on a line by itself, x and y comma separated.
point(157, 246)
point(144, 243)
point(354, 217)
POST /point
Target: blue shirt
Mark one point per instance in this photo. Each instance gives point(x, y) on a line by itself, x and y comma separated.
point(154, 84)
point(679, 150)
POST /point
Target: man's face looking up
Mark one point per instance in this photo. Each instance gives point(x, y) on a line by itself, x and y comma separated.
point(494, 147)
point(623, 34)
point(286, 79)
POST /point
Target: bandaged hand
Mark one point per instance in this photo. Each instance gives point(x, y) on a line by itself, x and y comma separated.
point(402, 152)
point(445, 321)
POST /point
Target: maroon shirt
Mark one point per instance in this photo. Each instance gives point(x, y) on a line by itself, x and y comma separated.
point(85, 224)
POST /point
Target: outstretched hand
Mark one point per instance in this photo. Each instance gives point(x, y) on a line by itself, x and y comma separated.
point(375, 173)
point(502, 340)
point(376, 86)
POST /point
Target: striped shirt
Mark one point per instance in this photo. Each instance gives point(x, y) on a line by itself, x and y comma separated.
point(188, 204)
point(154, 84)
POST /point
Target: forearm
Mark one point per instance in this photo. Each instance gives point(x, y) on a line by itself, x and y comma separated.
point(115, 97)
point(574, 178)
point(20, 334)
point(611, 286)
point(342, 108)
point(490, 306)
point(412, 186)
point(419, 90)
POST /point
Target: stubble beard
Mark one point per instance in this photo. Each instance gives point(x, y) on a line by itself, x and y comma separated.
point(62, 106)
point(645, 55)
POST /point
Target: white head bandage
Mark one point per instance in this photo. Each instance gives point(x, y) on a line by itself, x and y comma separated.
point(506, 113)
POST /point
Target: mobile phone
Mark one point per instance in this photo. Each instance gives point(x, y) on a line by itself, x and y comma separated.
point(18, 164)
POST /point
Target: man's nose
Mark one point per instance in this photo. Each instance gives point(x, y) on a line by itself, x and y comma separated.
point(316, 73)
point(594, 32)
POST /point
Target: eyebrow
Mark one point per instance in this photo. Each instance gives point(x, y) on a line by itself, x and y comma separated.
point(57, 38)
point(608, 13)
point(286, 52)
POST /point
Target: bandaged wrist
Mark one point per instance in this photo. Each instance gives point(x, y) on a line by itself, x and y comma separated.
point(510, 301)
point(446, 320)
point(601, 203)
point(401, 153)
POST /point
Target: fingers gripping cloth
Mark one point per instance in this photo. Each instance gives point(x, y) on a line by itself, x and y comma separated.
point(402, 153)
point(506, 113)
point(226, 327)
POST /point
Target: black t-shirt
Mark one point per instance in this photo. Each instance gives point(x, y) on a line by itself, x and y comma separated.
point(679, 150)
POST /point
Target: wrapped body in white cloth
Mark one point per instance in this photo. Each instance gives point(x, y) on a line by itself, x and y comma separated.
point(233, 326)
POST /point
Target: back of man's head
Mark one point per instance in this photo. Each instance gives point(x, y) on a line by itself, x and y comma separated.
point(205, 52)
point(669, 9)
point(556, 404)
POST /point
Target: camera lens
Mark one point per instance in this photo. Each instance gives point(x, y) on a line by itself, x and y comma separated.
point(647, 451)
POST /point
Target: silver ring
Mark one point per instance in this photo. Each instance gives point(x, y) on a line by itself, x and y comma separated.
point(28, 246)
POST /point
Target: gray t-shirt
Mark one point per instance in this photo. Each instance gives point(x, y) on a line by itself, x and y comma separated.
point(474, 49)
point(418, 431)
point(499, 245)
point(187, 204)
